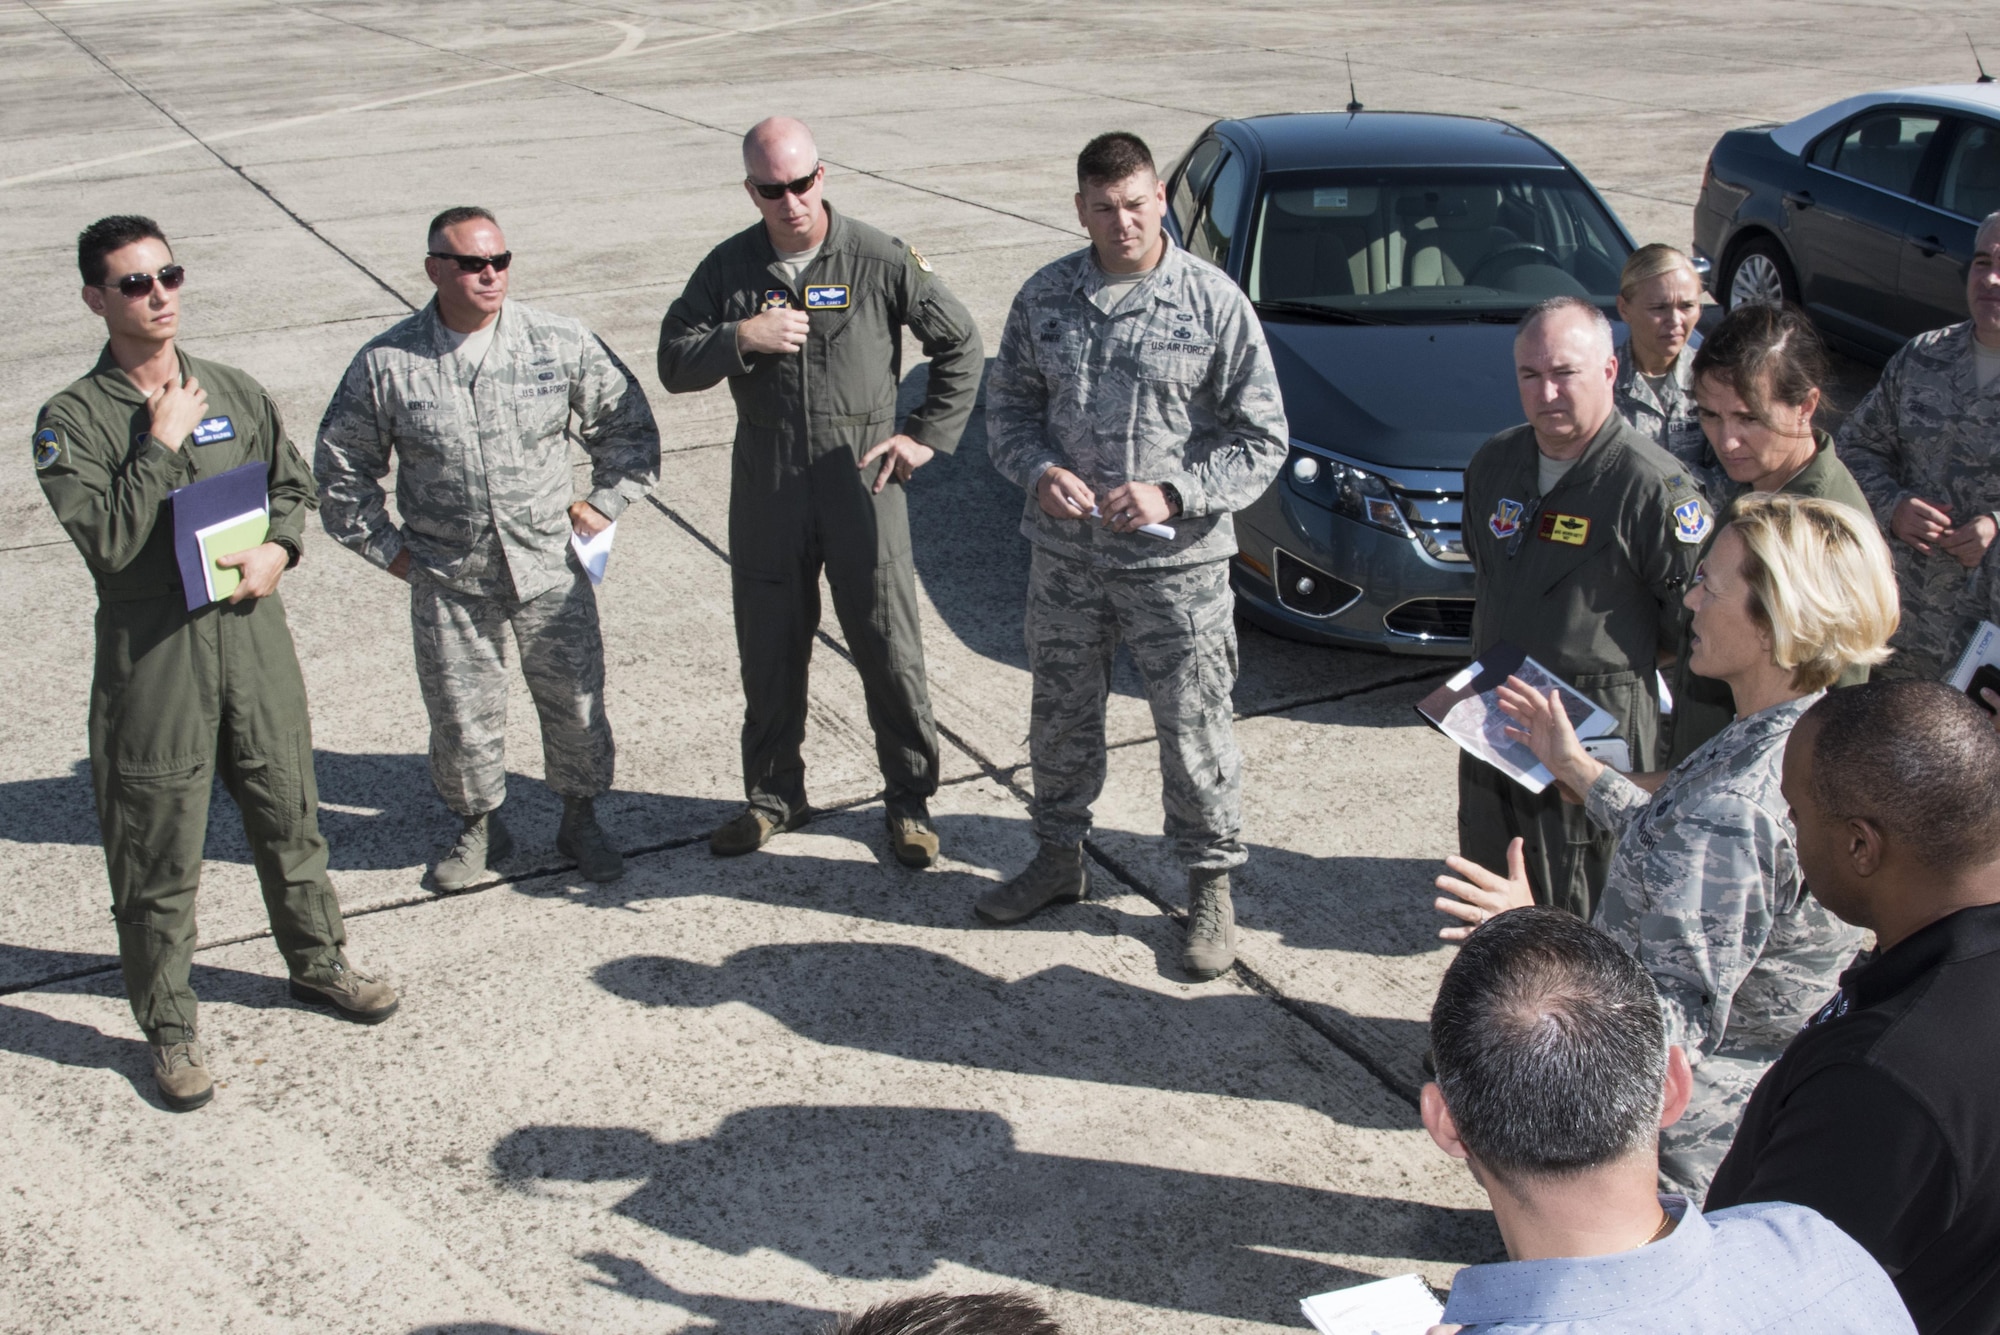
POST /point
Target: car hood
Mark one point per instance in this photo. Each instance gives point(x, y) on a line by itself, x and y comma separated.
point(1405, 396)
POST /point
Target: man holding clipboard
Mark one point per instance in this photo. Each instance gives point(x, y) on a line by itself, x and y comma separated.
point(185, 685)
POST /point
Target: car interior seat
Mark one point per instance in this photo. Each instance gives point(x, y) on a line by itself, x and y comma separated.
point(1972, 182)
point(1448, 231)
point(1317, 242)
point(1877, 154)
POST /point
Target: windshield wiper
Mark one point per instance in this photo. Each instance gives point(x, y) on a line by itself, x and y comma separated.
point(1327, 313)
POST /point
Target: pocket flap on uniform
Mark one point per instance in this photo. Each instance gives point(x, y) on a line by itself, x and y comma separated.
point(160, 767)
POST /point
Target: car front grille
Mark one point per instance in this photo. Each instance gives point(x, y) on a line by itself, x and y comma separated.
point(1432, 619)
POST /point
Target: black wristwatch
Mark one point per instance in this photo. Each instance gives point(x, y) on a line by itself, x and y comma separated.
point(1173, 495)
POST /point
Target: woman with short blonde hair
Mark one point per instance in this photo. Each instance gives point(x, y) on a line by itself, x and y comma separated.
point(1705, 888)
point(1659, 299)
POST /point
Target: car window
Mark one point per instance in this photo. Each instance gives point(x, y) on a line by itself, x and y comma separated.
point(1884, 148)
point(1970, 186)
point(1433, 244)
point(1214, 227)
point(1187, 191)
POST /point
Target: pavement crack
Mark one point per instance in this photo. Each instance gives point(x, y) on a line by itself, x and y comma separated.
point(217, 154)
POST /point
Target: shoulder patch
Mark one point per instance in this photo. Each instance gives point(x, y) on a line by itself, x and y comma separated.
point(921, 262)
point(48, 447)
point(1691, 521)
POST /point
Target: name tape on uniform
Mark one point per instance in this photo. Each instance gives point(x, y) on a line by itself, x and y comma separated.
point(211, 429)
point(826, 297)
point(1571, 529)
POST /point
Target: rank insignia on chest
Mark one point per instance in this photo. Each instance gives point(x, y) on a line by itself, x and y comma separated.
point(826, 297)
point(212, 429)
point(1691, 522)
point(1571, 529)
point(777, 299)
point(48, 447)
point(1505, 521)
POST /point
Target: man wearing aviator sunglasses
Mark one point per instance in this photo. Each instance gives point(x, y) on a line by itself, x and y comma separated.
point(473, 397)
point(803, 314)
point(176, 694)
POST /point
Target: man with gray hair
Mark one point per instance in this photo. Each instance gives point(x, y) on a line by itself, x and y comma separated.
point(473, 398)
point(1583, 535)
point(1554, 1078)
point(803, 314)
point(1923, 445)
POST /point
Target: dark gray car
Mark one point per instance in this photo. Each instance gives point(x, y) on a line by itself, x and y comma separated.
point(1389, 256)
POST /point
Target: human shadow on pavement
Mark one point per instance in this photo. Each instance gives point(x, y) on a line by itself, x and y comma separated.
point(30, 1033)
point(31, 968)
point(883, 1193)
point(1064, 1022)
point(624, 1274)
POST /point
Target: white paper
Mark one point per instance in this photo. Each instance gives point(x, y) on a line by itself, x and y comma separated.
point(1165, 531)
point(1400, 1306)
point(1478, 724)
point(1984, 648)
point(595, 551)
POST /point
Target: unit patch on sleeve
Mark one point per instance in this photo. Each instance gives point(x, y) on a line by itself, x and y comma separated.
point(1505, 521)
point(1691, 521)
point(826, 297)
point(1571, 529)
point(211, 429)
point(48, 447)
point(922, 263)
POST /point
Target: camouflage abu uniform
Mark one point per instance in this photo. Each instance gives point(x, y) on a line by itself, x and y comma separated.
point(1173, 386)
point(1668, 417)
point(1705, 890)
point(483, 487)
point(1928, 430)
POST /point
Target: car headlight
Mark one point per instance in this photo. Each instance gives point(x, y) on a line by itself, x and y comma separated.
point(1354, 492)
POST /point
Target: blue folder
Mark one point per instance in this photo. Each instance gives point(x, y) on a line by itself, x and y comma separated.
point(210, 501)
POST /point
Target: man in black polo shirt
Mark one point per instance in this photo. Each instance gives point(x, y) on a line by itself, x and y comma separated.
point(1884, 1113)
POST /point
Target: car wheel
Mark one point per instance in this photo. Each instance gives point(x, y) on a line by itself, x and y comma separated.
point(1759, 275)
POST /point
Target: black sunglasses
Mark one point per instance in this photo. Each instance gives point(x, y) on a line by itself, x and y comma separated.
point(139, 284)
point(476, 263)
point(779, 190)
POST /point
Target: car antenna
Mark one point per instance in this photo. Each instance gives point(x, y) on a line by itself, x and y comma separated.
point(1984, 77)
point(1354, 101)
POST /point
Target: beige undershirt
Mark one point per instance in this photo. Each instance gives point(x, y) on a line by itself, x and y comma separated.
point(1551, 471)
point(1986, 361)
point(471, 347)
point(796, 263)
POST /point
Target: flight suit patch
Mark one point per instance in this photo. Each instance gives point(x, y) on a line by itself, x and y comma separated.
point(1571, 529)
point(922, 263)
point(212, 429)
point(826, 297)
point(1505, 521)
point(1691, 522)
point(777, 299)
point(48, 447)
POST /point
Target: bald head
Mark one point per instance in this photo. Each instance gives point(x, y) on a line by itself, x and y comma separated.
point(779, 148)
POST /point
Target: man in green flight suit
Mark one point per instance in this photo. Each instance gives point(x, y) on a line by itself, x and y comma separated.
point(804, 315)
point(179, 695)
point(1583, 536)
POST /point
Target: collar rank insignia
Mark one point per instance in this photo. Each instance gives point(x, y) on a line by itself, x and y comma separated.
point(211, 429)
point(826, 297)
point(1505, 521)
point(48, 448)
point(777, 299)
point(1691, 521)
point(1573, 530)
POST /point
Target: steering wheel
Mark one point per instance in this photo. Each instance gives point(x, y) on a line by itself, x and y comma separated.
point(1512, 250)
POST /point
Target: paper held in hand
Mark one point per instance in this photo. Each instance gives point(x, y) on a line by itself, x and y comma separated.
point(227, 538)
point(1467, 710)
point(1400, 1306)
point(594, 552)
point(1979, 665)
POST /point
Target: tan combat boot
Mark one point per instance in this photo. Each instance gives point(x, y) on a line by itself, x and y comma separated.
point(912, 837)
point(347, 992)
point(483, 842)
point(752, 829)
point(581, 837)
point(1211, 925)
point(1056, 876)
point(182, 1075)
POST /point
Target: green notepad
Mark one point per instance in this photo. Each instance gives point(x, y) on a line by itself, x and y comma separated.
point(227, 538)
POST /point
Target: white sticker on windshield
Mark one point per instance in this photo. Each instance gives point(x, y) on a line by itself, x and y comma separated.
point(1334, 198)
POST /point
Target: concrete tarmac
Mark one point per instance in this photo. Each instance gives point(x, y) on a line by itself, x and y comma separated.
point(744, 1095)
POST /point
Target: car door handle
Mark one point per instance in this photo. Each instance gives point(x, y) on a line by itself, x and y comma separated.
point(1799, 199)
point(1927, 246)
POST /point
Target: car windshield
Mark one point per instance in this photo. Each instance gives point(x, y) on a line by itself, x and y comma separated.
point(1431, 246)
